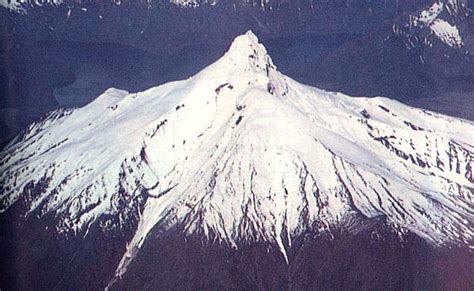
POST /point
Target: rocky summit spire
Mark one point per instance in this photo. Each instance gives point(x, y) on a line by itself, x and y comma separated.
point(248, 52)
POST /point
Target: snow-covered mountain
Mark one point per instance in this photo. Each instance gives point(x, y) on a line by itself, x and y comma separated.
point(443, 21)
point(423, 58)
point(241, 154)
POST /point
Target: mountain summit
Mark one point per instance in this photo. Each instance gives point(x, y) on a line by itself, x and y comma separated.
point(241, 155)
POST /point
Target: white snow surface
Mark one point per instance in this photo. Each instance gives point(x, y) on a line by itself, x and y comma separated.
point(193, 3)
point(429, 15)
point(13, 5)
point(21, 6)
point(242, 153)
point(433, 18)
point(447, 33)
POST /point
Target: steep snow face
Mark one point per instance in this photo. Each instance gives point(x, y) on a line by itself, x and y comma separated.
point(241, 153)
point(447, 33)
point(440, 21)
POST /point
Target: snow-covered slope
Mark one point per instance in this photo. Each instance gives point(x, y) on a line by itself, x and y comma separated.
point(442, 21)
point(21, 6)
point(12, 5)
point(241, 153)
point(193, 3)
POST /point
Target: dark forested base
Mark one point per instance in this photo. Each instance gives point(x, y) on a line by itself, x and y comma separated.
point(178, 264)
point(35, 257)
point(375, 259)
point(379, 260)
